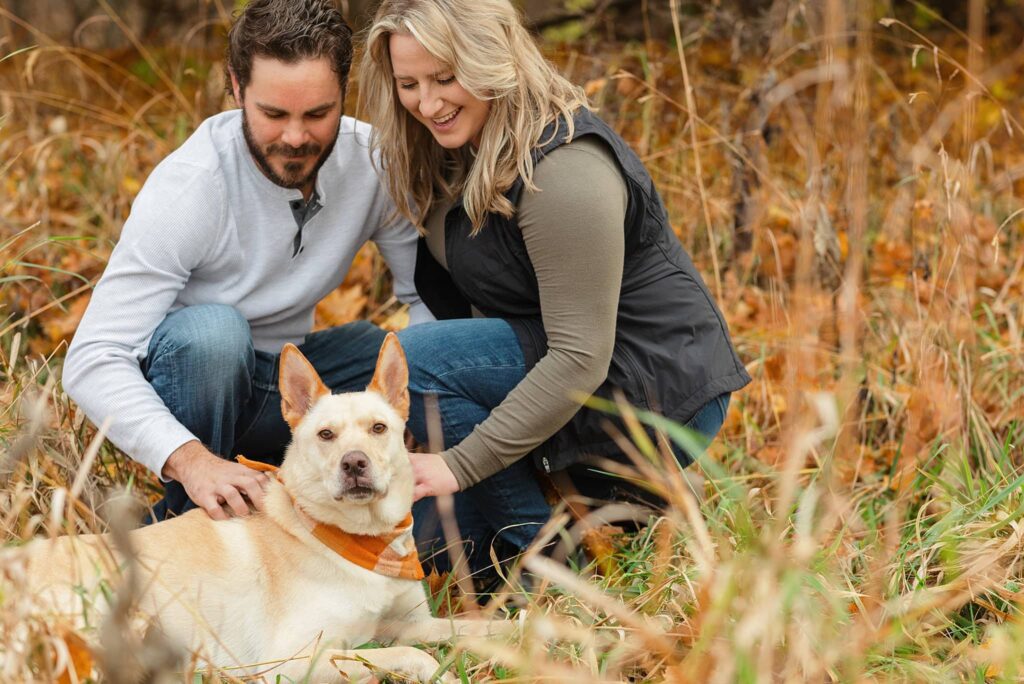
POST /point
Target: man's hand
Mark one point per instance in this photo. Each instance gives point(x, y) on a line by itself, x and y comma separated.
point(214, 484)
point(432, 476)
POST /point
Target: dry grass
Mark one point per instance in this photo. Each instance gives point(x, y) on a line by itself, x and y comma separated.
point(851, 189)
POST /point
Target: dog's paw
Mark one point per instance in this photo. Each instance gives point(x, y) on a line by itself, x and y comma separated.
point(413, 664)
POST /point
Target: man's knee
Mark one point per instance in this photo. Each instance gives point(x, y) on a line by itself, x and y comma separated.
point(211, 341)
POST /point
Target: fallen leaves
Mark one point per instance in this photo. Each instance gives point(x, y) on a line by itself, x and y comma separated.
point(79, 666)
point(601, 544)
point(932, 409)
point(340, 306)
point(358, 297)
point(443, 591)
point(60, 328)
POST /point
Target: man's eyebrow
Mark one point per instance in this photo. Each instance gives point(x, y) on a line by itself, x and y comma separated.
point(325, 107)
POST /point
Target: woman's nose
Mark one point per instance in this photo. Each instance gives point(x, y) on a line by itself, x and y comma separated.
point(430, 104)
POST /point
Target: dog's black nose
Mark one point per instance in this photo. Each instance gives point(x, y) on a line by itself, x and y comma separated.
point(354, 463)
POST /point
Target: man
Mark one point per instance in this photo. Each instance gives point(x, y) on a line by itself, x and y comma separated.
point(229, 246)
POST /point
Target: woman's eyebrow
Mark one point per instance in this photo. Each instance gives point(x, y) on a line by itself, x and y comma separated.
point(433, 75)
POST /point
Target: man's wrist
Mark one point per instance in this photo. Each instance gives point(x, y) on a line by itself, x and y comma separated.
point(180, 459)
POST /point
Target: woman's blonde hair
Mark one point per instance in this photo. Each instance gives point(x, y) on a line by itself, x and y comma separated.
point(494, 58)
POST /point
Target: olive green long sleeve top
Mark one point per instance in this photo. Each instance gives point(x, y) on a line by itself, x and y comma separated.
point(573, 230)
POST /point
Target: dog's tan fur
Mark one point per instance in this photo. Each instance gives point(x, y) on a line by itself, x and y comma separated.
point(261, 589)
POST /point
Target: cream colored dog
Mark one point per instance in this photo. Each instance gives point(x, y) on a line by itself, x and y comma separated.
point(270, 593)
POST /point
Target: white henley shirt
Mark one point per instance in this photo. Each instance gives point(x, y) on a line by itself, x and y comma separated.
point(209, 228)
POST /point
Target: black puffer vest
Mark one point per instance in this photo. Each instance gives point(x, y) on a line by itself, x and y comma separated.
point(672, 349)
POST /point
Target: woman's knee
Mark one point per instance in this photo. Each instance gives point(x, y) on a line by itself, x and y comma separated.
point(443, 355)
point(420, 344)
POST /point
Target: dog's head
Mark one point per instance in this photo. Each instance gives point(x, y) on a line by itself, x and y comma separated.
point(347, 463)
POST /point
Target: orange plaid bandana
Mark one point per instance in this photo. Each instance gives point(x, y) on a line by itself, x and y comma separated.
point(392, 554)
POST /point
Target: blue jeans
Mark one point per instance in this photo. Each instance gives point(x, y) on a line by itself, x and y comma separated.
point(470, 366)
point(202, 363)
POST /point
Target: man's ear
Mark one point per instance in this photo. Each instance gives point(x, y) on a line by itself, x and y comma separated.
point(299, 384)
point(391, 378)
point(235, 89)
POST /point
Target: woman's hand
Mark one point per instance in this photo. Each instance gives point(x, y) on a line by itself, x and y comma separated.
point(432, 476)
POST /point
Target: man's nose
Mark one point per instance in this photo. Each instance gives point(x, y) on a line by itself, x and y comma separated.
point(294, 134)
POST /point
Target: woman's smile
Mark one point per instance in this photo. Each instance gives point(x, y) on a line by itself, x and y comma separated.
point(448, 120)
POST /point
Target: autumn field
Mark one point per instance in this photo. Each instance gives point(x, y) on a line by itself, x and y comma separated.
point(849, 177)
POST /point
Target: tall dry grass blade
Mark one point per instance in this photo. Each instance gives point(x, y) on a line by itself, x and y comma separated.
point(56, 302)
point(651, 633)
point(127, 657)
point(691, 108)
point(446, 510)
point(147, 55)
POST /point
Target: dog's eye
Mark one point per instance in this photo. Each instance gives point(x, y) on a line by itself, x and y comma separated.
point(379, 428)
point(325, 435)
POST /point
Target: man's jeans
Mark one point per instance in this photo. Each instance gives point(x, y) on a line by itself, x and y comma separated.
point(471, 365)
point(202, 363)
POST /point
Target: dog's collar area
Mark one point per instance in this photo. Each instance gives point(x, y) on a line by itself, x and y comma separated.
point(392, 554)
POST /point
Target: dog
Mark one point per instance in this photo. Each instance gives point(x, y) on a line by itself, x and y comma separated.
point(329, 564)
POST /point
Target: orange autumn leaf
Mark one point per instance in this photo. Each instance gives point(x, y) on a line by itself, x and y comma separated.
point(594, 86)
point(931, 410)
point(600, 544)
point(80, 658)
point(399, 320)
point(628, 86)
point(61, 325)
point(444, 593)
point(361, 270)
point(341, 306)
point(777, 256)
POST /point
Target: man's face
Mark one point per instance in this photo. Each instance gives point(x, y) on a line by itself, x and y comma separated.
point(290, 117)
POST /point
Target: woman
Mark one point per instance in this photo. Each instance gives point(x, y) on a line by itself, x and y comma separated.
point(548, 258)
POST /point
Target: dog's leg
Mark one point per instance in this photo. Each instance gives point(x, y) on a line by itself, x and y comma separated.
point(360, 665)
point(432, 630)
point(410, 622)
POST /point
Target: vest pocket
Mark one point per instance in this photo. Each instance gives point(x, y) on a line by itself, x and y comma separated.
point(635, 383)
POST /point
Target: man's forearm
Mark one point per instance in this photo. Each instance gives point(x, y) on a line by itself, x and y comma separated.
point(105, 381)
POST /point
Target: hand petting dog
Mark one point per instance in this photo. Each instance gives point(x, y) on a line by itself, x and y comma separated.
point(432, 476)
point(219, 487)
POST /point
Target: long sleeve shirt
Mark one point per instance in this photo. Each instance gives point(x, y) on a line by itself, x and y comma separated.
point(209, 228)
point(573, 229)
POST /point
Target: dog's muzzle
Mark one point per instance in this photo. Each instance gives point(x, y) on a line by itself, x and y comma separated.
point(357, 480)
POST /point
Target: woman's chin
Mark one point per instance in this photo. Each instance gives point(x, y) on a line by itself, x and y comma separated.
point(448, 141)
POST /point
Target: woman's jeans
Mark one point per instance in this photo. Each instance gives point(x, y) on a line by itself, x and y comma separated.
point(471, 365)
point(202, 363)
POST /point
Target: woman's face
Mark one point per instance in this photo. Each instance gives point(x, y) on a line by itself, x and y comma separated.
point(428, 90)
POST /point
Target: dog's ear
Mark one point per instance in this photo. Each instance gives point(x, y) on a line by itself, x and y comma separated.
point(299, 384)
point(392, 376)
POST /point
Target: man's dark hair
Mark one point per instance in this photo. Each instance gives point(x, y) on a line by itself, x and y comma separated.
point(289, 31)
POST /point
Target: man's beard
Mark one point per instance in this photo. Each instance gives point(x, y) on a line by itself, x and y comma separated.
point(291, 177)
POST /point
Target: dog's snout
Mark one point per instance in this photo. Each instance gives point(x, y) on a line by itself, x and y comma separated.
point(354, 463)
